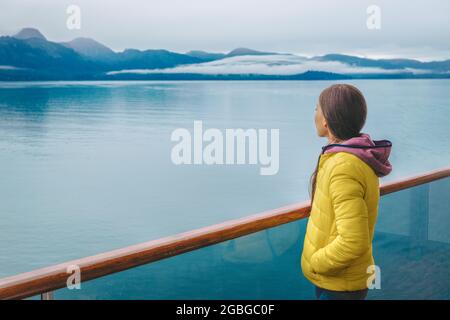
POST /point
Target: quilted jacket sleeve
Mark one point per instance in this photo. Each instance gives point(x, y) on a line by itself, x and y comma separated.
point(351, 214)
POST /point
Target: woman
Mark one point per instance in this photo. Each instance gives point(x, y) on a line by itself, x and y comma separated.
point(337, 250)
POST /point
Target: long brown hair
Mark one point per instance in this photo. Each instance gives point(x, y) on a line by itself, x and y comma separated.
point(344, 109)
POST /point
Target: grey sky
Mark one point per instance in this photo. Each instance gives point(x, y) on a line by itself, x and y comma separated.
point(413, 28)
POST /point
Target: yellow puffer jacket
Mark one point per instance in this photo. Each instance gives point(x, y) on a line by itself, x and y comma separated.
point(338, 243)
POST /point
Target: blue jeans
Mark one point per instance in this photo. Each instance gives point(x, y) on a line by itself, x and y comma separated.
point(324, 294)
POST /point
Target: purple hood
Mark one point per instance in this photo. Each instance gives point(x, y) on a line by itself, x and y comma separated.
point(374, 152)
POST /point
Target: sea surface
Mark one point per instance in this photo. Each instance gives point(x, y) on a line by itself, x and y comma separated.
point(86, 167)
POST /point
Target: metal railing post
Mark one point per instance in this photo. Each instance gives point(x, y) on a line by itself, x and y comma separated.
point(419, 219)
point(47, 295)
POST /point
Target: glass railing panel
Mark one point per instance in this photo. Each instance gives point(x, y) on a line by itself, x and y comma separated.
point(411, 249)
point(412, 243)
point(439, 211)
point(263, 265)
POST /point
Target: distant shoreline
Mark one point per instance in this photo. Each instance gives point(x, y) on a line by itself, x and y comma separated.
point(307, 76)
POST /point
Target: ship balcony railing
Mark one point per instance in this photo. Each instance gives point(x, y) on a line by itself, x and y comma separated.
point(258, 256)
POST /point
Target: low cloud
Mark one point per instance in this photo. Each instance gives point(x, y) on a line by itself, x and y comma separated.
point(280, 64)
point(9, 68)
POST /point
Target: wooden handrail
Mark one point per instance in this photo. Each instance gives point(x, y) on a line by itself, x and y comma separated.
point(54, 277)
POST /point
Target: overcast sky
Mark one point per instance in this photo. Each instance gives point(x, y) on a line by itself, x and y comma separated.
point(409, 28)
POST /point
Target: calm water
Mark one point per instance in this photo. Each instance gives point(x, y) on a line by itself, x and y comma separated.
point(85, 167)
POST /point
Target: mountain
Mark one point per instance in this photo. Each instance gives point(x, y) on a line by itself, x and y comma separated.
point(28, 55)
point(151, 59)
point(91, 49)
point(247, 52)
point(42, 59)
point(129, 58)
point(29, 33)
point(205, 56)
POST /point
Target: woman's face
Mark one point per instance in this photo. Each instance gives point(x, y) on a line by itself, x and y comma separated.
point(321, 124)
